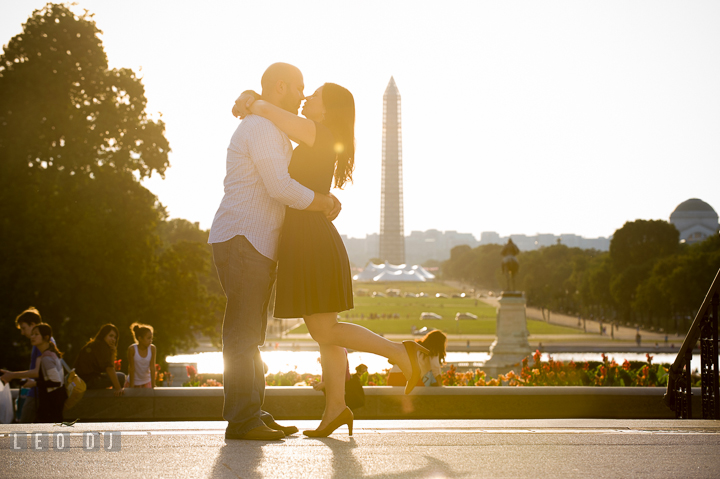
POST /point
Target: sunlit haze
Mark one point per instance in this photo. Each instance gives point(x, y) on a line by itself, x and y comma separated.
point(517, 117)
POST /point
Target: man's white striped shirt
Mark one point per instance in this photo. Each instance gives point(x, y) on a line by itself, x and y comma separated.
point(257, 187)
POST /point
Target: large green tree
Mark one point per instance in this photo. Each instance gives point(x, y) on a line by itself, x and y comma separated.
point(634, 250)
point(478, 266)
point(81, 237)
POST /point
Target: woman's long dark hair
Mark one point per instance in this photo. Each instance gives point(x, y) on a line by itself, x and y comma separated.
point(340, 119)
point(100, 338)
point(46, 332)
point(435, 342)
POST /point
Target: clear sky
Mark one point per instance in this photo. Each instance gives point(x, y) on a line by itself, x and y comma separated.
point(518, 117)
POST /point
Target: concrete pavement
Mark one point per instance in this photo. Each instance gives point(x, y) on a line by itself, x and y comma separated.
point(393, 449)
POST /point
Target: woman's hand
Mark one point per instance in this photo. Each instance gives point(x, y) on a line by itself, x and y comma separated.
point(7, 376)
point(118, 392)
point(241, 109)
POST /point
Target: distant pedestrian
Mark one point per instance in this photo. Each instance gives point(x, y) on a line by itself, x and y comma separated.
point(141, 358)
point(51, 380)
point(48, 371)
point(25, 322)
point(638, 338)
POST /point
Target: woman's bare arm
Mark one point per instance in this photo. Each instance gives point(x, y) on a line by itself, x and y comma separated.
point(117, 387)
point(297, 128)
point(131, 365)
point(30, 373)
point(152, 365)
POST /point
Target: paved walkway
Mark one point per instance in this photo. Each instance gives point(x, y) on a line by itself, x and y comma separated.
point(392, 449)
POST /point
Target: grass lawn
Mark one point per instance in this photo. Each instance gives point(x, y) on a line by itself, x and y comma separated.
point(409, 287)
point(409, 310)
point(481, 326)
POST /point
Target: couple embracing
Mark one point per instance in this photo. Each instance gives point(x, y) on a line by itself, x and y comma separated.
point(274, 225)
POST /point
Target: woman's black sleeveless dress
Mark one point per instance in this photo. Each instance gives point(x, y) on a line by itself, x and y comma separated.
point(313, 272)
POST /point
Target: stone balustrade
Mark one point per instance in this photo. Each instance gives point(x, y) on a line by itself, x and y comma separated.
point(182, 403)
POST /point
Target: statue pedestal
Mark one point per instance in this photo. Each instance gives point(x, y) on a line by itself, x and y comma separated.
point(511, 344)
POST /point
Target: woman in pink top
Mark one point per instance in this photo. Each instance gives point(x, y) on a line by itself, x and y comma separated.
point(141, 357)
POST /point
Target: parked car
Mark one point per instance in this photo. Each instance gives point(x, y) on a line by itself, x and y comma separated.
point(410, 295)
point(377, 294)
point(423, 331)
point(392, 293)
point(421, 295)
point(456, 295)
point(465, 315)
point(441, 295)
point(427, 315)
point(361, 292)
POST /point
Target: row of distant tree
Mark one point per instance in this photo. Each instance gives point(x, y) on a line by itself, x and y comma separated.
point(647, 278)
point(81, 238)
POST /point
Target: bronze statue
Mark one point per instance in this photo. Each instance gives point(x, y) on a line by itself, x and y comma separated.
point(510, 264)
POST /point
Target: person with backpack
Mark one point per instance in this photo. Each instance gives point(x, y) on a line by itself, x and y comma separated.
point(49, 374)
point(50, 380)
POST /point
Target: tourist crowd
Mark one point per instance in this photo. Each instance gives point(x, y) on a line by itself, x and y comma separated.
point(44, 389)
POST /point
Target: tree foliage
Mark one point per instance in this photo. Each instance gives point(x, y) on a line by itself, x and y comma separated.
point(478, 266)
point(647, 278)
point(82, 239)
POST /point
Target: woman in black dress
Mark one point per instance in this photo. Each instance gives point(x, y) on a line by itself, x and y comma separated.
point(313, 275)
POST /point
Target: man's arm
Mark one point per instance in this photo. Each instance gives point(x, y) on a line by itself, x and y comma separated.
point(267, 152)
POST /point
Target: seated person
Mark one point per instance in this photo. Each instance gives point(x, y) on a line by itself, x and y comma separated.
point(430, 366)
point(141, 357)
point(96, 362)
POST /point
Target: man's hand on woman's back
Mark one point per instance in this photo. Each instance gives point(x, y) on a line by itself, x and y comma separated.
point(335, 211)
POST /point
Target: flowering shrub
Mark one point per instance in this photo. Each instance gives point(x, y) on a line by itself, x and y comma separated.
point(537, 373)
point(291, 378)
point(557, 373)
point(200, 380)
point(374, 379)
point(164, 378)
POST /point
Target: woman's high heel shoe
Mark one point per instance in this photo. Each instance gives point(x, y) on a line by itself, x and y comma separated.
point(345, 417)
point(412, 348)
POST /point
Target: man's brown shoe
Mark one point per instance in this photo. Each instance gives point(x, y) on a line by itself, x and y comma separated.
point(260, 433)
point(288, 430)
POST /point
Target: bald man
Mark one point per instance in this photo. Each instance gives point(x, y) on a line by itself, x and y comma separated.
point(244, 237)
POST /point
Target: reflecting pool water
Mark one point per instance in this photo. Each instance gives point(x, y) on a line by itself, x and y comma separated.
point(308, 361)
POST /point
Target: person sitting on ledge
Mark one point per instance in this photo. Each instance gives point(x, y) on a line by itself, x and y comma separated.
point(434, 341)
point(141, 358)
point(96, 362)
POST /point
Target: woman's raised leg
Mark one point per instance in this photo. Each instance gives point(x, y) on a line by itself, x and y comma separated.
point(325, 329)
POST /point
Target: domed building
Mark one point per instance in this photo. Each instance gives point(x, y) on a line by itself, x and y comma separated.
point(695, 220)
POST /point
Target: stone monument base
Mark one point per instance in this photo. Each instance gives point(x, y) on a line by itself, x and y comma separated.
point(511, 344)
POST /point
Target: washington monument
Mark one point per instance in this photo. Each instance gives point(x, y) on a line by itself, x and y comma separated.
point(392, 233)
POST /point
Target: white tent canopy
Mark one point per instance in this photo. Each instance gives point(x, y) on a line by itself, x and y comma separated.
point(392, 272)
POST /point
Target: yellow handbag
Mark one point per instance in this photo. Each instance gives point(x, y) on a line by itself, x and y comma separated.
point(75, 387)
